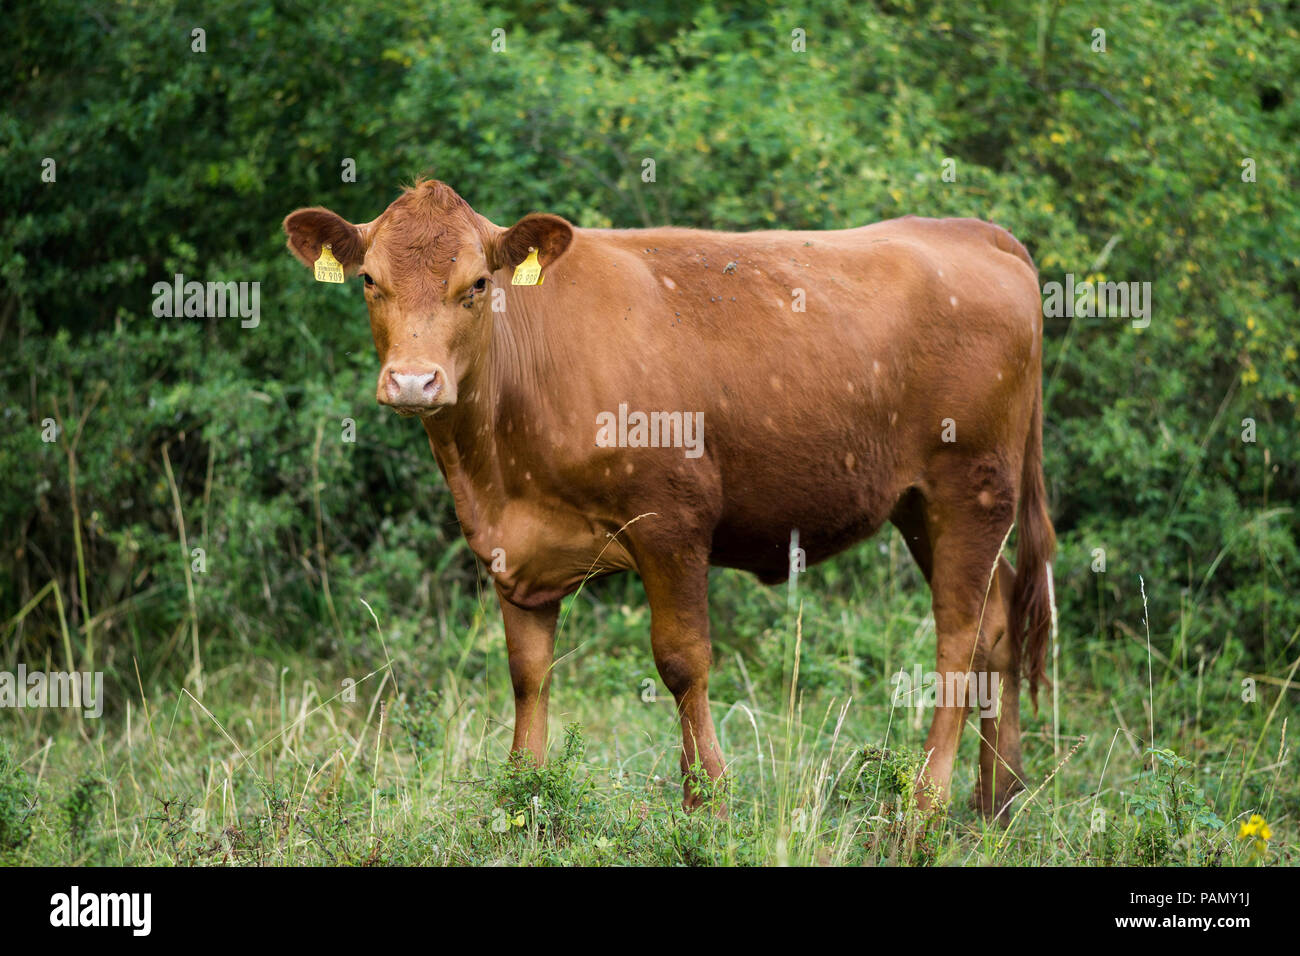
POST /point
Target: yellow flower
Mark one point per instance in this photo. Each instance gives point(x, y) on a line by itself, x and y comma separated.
point(1256, 830)
point(519, 819)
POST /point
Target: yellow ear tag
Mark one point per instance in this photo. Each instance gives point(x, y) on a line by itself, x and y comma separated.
point(328, 269)
point(528, 272)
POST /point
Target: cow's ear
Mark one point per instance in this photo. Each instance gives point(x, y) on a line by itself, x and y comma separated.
point(310, 229)
point(549, 235)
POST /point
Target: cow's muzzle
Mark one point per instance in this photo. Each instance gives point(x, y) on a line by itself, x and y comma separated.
point(412, 391)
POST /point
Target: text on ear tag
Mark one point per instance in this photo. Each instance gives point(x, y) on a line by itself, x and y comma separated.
point(528, 272)
point(328, 269)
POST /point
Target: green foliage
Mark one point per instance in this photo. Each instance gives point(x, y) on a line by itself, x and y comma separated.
point(1170, 792)
point(1167, 819)
point(883, 784)
point(552, 799)
point(79, 808)
point(418, 716)
point(175, 161)
point(17, 800)
point(707, 835)
point(890, 775)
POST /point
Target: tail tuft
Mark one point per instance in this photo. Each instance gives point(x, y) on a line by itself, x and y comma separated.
point(1030, 626)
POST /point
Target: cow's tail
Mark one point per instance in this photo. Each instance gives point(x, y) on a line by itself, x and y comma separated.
point(1030, 625)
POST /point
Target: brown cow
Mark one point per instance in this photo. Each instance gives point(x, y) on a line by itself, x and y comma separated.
point(837, 380)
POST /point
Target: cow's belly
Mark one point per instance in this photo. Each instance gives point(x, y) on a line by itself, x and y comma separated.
point(758, 537)
point(835, 486)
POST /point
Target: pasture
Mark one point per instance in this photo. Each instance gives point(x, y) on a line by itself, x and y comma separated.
point(277, 768)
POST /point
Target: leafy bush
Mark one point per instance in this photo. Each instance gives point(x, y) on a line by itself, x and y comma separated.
point(17, 800)
point(1167, 819)
point(1125, 165)
point(553, 799)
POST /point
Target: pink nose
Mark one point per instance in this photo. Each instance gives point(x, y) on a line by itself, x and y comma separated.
point(405, 389)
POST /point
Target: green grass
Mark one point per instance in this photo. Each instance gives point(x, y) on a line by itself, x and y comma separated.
point(273, 766)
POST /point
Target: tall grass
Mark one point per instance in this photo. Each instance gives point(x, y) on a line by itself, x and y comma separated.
point(274, 765)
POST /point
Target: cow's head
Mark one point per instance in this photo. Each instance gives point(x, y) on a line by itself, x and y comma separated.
point(428, 264)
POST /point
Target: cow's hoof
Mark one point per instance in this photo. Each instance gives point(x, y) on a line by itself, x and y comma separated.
point(998, 807)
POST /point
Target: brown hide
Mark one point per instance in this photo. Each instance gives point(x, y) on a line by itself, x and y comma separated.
point(844, 378)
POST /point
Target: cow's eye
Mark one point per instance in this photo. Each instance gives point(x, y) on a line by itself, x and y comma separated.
point(468, 300)
point(368, 280)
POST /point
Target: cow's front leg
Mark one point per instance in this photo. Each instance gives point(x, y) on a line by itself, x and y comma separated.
point(530, 643)
point(677, 587)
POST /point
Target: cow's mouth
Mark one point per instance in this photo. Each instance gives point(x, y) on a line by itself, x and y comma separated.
point(417, 411)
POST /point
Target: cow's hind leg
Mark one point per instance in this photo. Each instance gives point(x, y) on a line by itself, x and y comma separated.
point(1001, 774)
point(968, 513)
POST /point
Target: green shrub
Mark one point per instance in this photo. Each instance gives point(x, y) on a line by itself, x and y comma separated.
point(17, 801)
point(172, 161)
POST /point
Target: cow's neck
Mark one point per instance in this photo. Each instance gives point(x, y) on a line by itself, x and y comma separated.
point(500, 399)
